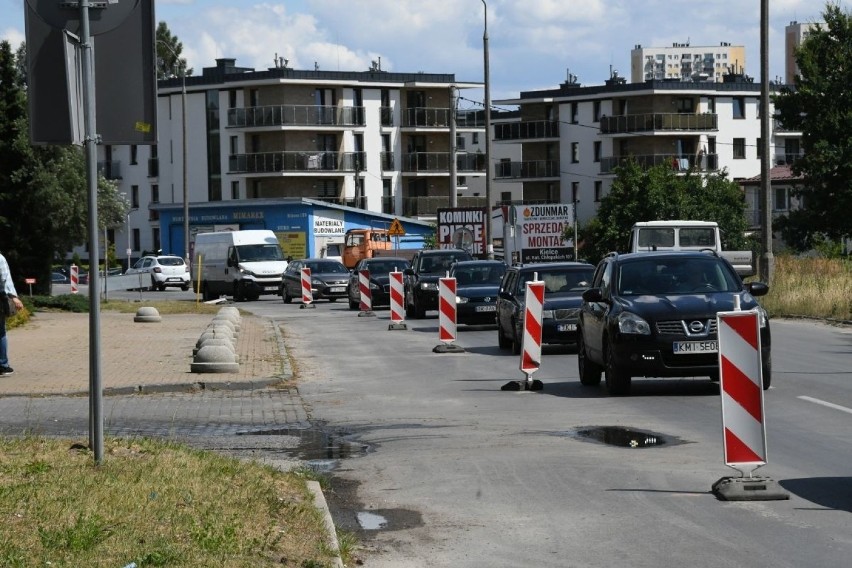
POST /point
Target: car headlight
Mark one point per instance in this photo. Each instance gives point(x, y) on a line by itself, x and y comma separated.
point(632, 324)
point(246, 272)
point(428, 285)
point(317, 282)
point(374, 286)
point(461, 300)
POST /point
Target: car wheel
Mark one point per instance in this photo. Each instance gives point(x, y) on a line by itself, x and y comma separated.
point(353, 305)
point(590, 373)
point(516, 340)
point(185, 287)
point(419, 310)
point(161, 287)
point(617, 381)
point(205, 292)
point(239, 294)
point(766, 367)
point(409, 311)
point(285, 294)
point(332, 300)
point(502, 341)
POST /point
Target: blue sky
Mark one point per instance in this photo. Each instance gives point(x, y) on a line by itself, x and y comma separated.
point(533, 44)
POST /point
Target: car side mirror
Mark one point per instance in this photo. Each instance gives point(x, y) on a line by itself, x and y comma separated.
point(408, 272)
point(757, 288)
point(593, 295)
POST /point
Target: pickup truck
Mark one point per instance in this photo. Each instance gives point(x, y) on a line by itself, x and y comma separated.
point(687, 235)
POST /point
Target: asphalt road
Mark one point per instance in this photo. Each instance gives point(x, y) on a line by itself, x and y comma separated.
point(451, 471)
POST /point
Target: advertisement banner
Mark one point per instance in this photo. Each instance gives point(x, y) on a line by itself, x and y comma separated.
point(539, 232)
point(463, 228)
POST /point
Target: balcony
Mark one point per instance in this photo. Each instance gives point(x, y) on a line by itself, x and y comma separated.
point(110, 169)
point(309, 162)
point(439, 162)
point(527, 170)
point(779, 128)
point(658, 121)
point(295, 115)
point(428, 206)
point(153, 167)
point(423, 117)
point(532, 130)
point(704, 162)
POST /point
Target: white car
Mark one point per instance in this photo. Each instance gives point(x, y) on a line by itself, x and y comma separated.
point(165, 270)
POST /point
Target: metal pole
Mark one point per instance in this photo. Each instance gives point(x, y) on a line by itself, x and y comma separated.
point(184, 165)
point(453, 165)
point(767, 261)
point(489, 238)
point(96, 423)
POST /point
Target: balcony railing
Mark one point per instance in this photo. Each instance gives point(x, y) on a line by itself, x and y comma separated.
point(531, 130)
point(423, 117)
point(658, 121)
point(428, 206)
point(439, 162)
point(779, 127)
point(110, 169)
point(295, 115)
point(272, 162)
point(153, 167)
point(704, 162)
point(527, 169)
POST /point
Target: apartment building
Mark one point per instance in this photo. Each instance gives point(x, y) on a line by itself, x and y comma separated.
point(572, 138)
point(372, 141)
point(794, 34)
point(686, 62)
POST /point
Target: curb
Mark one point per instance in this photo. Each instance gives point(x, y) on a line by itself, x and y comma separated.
point(320, 503)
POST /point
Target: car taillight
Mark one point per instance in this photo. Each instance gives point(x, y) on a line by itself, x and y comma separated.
point(186, 268)
point(157, 269)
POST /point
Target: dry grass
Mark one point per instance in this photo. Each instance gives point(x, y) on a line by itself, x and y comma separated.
point(152, 503)
point(811, 287)
point(165, 307)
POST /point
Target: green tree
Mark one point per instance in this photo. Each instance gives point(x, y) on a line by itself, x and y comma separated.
point(820, 106)
point(659, 193)
point(169, 49)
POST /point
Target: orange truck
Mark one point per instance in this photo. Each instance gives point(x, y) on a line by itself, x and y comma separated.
point(363, 243)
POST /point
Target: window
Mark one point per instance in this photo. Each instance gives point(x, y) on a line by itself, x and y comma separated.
point(133, 154)
point(235, 190)
point(234, 146)
point(759, 148)
point(711, 103)
point(575, 152)
point(155, 238)
point(739, 148)
point(134, 196)
point(598, 191)
point(685, 105)
point(505, 167)
point(596, 111)
point(574, 113)
point(155, 193)
point(575, 191)
point(459, 142)
point(136, 244)
point(232, 98)
point(711, 144)
point(780, 201)
point(738, 107)
point(475, 138)
point(254, 99)
point(597, 149)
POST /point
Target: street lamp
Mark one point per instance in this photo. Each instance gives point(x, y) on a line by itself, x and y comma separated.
point(489, 238)
point(183, 144)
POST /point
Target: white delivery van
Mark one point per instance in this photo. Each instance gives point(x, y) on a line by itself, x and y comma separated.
point(242, 264)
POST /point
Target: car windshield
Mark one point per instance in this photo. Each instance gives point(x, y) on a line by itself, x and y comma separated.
point(486, 274)
point(440, 263)
point(662, 276)
point(327, 267)
point(565, 281)
point(385, 266)
point(257, 253)
point(170, 261)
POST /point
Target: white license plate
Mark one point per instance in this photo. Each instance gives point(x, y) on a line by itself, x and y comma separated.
point(270, 288)
point(486, 308)
point(692, 347)
point(566, 327)
point(337, 290)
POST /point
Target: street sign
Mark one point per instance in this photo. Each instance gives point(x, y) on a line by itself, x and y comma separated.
point(396, 229)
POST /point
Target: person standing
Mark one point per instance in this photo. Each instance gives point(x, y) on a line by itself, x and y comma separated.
point(9, 288)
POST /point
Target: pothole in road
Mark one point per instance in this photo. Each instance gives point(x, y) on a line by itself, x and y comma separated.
point(624, 437)
point(320, 450)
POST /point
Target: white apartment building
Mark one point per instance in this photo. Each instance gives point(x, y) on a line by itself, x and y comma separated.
point(686, 62)
point(573, 137)
point(374, 140)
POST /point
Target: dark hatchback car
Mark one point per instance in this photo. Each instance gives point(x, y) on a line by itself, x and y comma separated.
point(564, 282)
point(329, 279)
point(477, 285)
point(421, 280)
point(379, 269)
point(654, 314)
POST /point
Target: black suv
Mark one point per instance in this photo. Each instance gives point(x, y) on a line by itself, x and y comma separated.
point(653, 314)
point(563, 284)
point(421, 280)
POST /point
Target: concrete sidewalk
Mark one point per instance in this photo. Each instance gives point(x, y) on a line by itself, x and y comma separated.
point(50, 355)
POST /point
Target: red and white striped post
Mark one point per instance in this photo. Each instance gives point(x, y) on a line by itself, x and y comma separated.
point(307, 292)
point(447, 316)
point(366, 304)
point(531, 344)
point(743, 417)
point(75, 278)
point(397, 293)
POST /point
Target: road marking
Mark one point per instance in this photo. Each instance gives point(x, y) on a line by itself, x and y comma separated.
point(828, 404)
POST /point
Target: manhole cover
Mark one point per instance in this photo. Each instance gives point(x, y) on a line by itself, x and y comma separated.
point(622, 437)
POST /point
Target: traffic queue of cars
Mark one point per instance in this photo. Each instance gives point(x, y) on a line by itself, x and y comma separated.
point(650, 314)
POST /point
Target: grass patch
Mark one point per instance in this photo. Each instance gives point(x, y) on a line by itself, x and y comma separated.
point(153, 503)
point(810, 287)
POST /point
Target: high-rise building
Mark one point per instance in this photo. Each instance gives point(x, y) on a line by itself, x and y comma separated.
point(794, 35)
point(684, 62)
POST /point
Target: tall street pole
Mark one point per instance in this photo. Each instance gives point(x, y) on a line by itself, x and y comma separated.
point(767, 260)
point(489, 238)
point(453, 165)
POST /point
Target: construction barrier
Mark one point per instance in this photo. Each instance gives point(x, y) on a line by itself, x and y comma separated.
point(531, 344)
point(740, 374)
point(397, 299)
point(366, 305)
point(307, 293)
point(447, 316)
point(75, 278)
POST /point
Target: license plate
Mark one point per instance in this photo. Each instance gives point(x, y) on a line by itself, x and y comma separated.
point(692, 347)
point(486, 308)
point(270, 288)
point(337, 290)
point(566, 327)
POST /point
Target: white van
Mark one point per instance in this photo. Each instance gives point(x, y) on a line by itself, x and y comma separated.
point(242, 264)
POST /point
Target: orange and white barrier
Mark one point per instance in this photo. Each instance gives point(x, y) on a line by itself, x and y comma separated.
point(741, 383)
point(366, 304)
point(531, 344)
point(307, 292)
point(75, 278)
point(397, 295)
